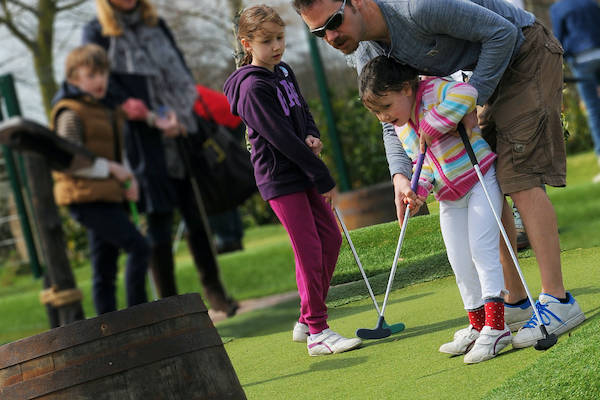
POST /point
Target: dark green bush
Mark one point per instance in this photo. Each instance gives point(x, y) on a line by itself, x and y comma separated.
point(575, 122)
point(361, 139)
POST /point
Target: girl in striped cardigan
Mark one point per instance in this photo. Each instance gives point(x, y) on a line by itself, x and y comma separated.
point(433, 107)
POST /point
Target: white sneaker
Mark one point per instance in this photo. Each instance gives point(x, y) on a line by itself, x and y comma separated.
point(330, 342)
point(517, 316)
point(300, 332)
point(490, 342)
point(556, 316)
point(462, 343)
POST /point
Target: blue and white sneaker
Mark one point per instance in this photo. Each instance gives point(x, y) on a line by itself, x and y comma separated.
point(557, 317)
point(517, 316)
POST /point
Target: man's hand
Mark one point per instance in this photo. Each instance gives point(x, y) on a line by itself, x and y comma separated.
point(469, 121)
point(332, 196)
point(404, 196)
point(135, 109)
point(314, 144)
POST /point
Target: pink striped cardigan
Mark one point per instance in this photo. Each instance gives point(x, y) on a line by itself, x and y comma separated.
point(440, 105)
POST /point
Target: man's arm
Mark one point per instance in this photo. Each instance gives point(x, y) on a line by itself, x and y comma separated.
point(398, 161)
point(496, 34)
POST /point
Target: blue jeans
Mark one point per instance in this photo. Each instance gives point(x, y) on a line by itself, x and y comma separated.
point(590, 73)
point(109, 229)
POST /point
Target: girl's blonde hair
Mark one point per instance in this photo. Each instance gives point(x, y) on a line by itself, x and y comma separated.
point(250, 23)
point(109, 23)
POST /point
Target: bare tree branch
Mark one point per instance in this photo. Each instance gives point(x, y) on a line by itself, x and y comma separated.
point(24, 6)
point(73, 4)
point(10, 24)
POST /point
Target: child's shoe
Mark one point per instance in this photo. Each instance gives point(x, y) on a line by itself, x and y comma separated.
point(557, 317)
point(517, 316)
point(330, 342)
point(490, 342)
point(300, 332)
point(462, 343)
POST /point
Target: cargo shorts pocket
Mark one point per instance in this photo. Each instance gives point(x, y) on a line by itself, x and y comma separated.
point(526, 141)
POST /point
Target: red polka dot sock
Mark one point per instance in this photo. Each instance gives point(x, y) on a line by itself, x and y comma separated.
point(494, 314)
point(477, 318)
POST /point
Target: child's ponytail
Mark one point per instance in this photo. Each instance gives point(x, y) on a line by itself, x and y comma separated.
point(247, 59)
point(250, 23)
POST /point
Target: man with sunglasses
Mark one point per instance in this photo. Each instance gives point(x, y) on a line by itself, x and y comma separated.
point(517, 71)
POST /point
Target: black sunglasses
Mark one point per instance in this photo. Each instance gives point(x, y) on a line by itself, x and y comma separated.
point(332, 23)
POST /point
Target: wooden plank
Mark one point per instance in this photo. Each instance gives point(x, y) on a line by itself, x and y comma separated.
point(109, 388)
point(104, 325)
point(198, 375)
point(107, 365)
point(37, 367)
point(10, 376)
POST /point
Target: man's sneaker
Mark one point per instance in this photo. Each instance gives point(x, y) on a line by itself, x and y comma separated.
point(490, 342)
point(300, 332)
point(330, 342)
point(517, 316)
point(557, 317)
point(462, 343)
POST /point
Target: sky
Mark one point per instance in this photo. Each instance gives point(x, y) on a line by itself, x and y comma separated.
point(16, 59)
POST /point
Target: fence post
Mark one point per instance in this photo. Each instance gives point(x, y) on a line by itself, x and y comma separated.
point(58, 272)
point(15, 181)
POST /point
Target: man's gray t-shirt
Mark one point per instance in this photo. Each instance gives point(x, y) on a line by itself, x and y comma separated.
point(439, 37)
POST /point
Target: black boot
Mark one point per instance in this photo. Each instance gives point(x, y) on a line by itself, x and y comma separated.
point(208, 270)
point(163, 269)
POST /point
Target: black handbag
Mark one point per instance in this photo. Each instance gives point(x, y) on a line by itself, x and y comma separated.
point(220, 165)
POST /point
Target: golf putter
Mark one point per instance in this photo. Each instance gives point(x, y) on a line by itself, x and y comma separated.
point(395, 328)
point(381, 331)
point(548, 340)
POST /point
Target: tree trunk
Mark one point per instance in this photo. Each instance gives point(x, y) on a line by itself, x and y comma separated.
point(43, 59)
point(51, 237)
point(236, 7)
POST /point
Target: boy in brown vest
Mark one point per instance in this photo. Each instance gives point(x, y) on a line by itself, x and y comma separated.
point(95, 195)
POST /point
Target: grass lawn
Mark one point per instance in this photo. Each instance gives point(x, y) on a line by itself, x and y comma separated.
point(406, 365)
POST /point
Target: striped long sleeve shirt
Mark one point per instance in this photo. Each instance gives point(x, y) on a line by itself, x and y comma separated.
point(440, 105)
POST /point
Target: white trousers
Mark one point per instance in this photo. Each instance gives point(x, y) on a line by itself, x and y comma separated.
point(472, 239)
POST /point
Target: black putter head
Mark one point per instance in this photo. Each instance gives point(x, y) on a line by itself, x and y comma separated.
point(547, 341)
point(379, 332)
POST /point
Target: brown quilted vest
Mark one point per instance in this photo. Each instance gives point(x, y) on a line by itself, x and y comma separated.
point(102, 135)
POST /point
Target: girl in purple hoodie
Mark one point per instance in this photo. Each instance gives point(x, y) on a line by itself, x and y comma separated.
point(289, 174)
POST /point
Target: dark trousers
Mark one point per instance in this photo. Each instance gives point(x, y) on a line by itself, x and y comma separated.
point(160, 232)
point(109, 229)
point(227, 227)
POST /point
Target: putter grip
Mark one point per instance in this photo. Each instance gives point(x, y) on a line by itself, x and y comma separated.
point(465, 139)
point(414, 183)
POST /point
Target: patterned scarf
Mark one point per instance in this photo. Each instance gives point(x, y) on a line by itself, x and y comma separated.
point(146, 50)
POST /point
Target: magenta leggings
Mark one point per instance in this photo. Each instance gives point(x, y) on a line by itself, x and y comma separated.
point(316, 240)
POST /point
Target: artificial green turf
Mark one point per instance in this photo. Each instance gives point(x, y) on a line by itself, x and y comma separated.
point(569, 371)
point(406, 365)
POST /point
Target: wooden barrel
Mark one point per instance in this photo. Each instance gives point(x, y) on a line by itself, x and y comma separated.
point(167, 349)
point(370, 205)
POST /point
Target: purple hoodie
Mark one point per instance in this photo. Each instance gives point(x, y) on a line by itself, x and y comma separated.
point(278, 121)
